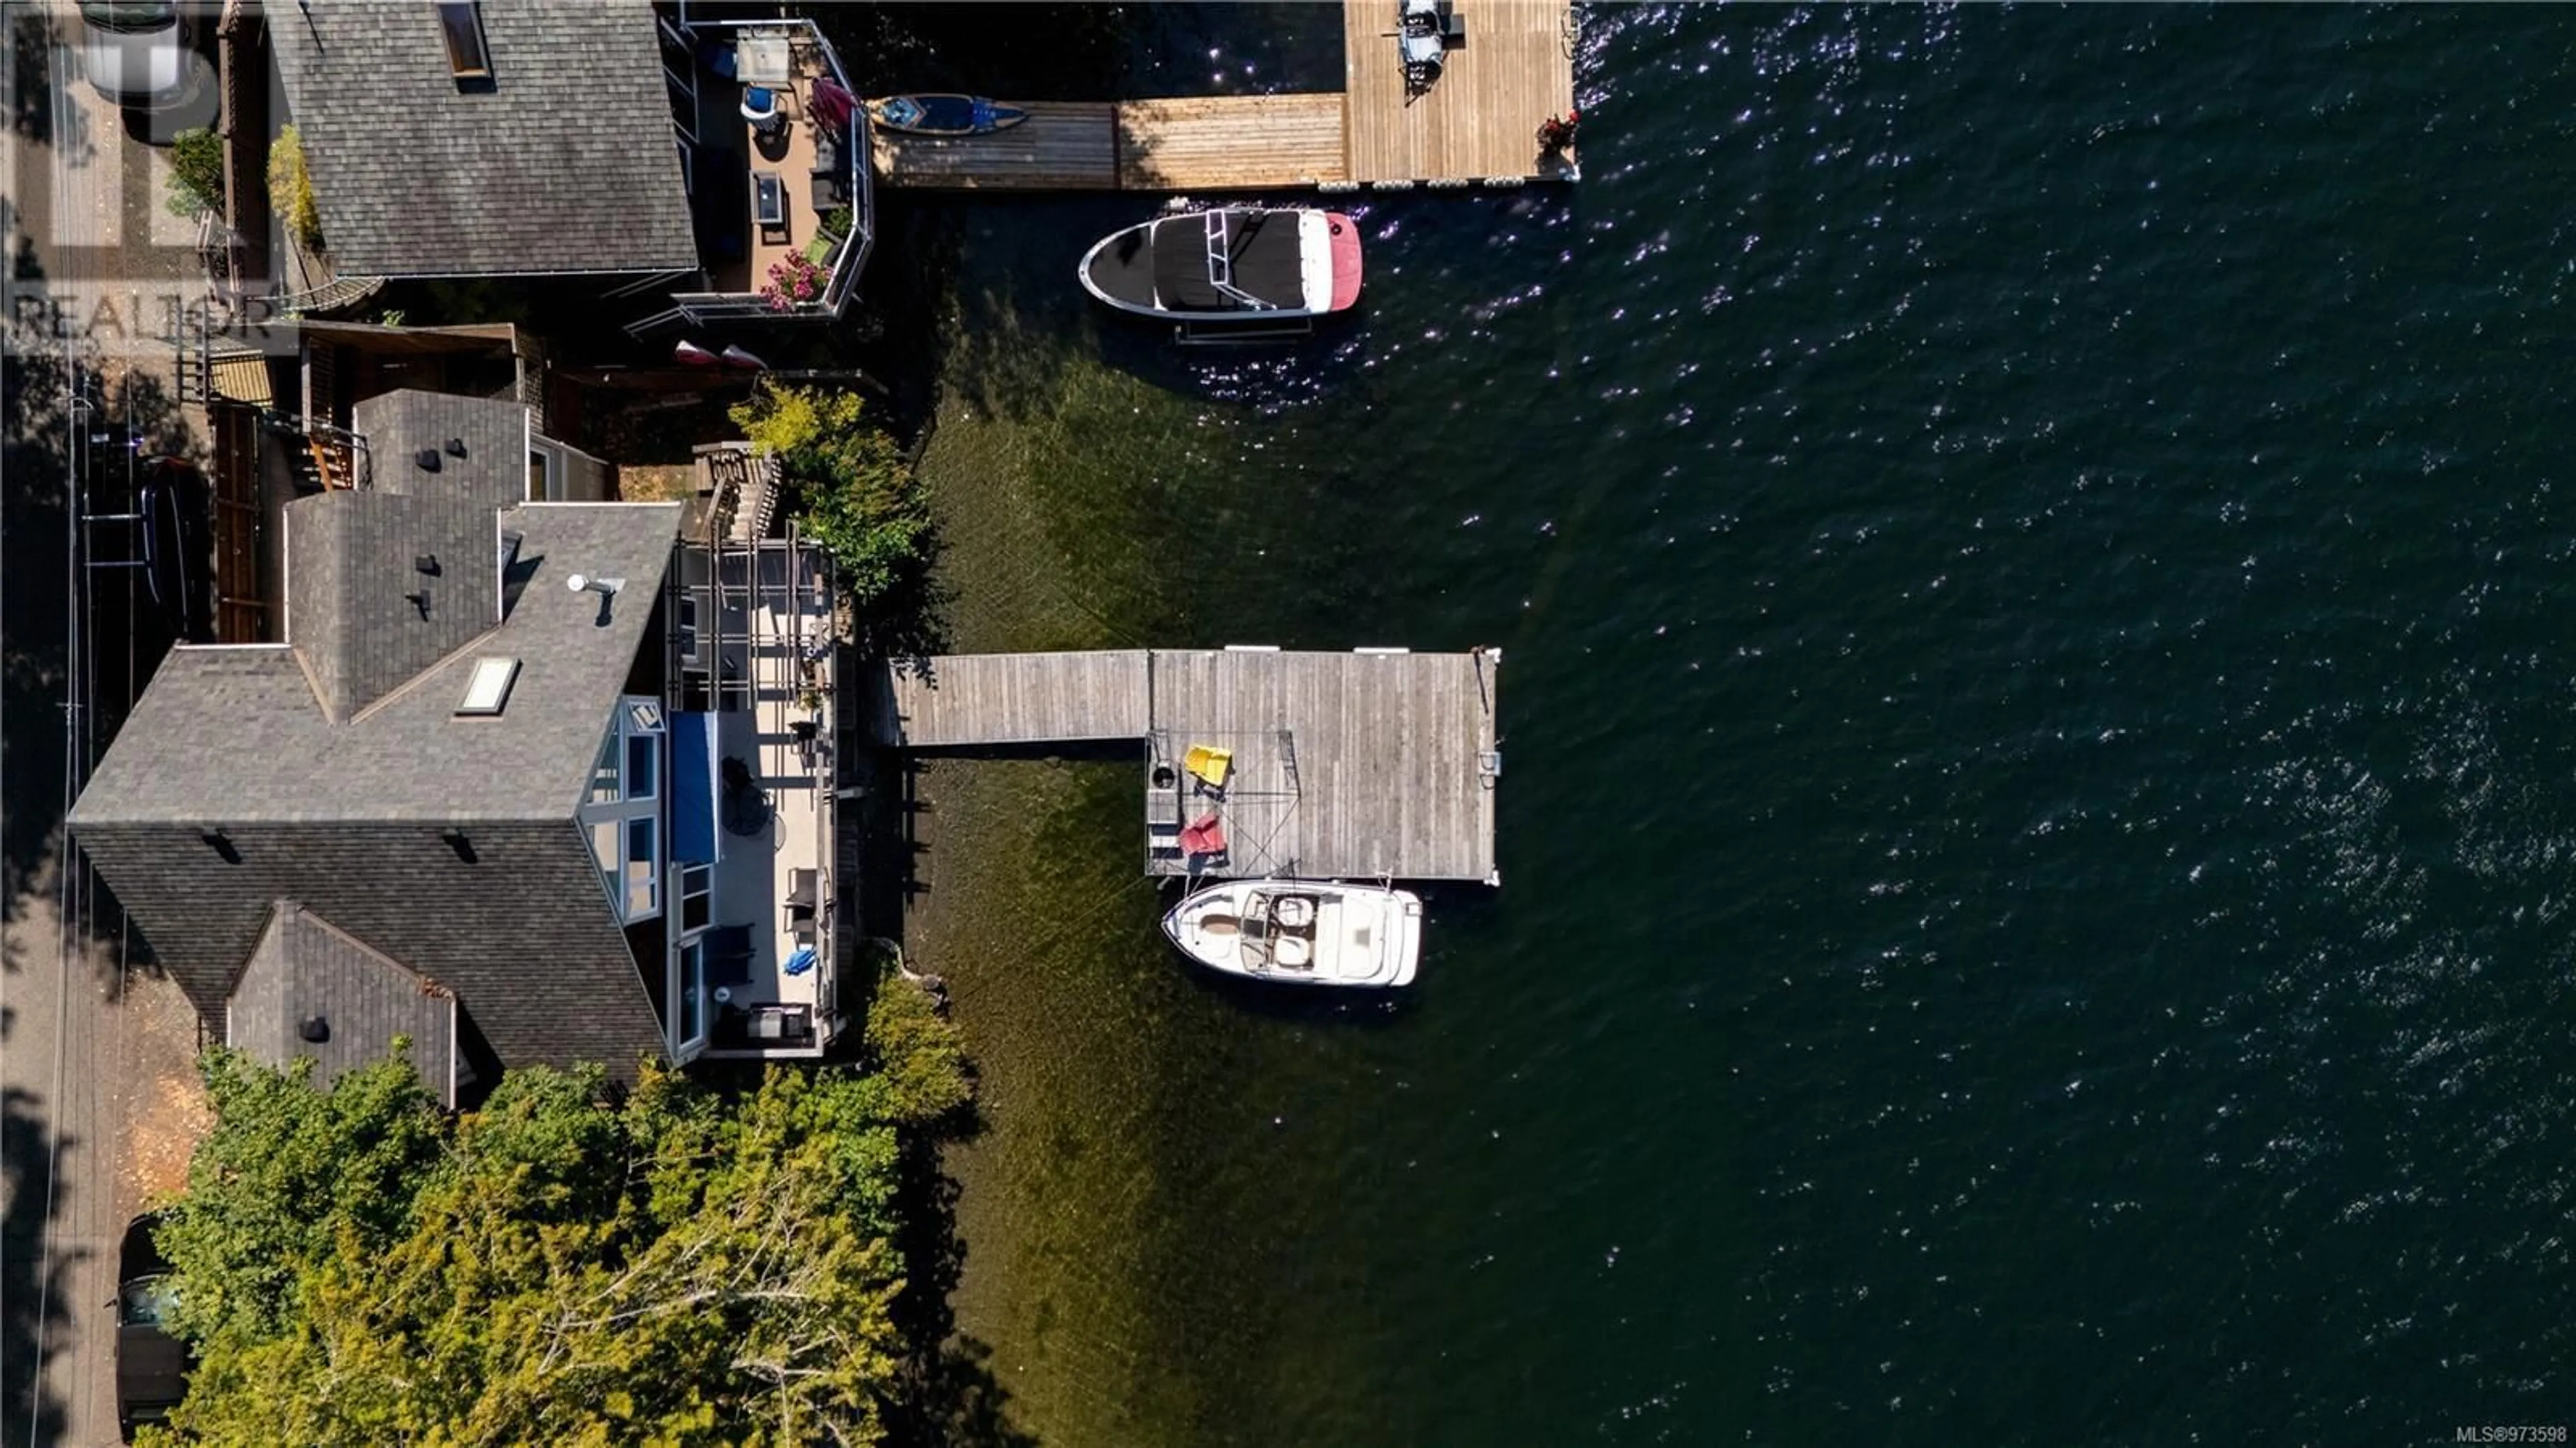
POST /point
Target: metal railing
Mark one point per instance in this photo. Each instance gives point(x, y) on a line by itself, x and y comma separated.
point(849, 256)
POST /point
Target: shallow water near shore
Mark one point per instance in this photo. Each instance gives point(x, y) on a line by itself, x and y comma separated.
point(2037, 728)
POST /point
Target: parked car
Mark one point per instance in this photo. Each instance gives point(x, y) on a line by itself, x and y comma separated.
point(151, 1365)
point(141, 54)
point(178, 548)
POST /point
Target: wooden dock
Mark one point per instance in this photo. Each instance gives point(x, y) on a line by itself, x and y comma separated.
point(1209, 143)
point(966, 700)
point(1477, 124)
point(1062, 146)
point(1480, 119)
point(1376, 763)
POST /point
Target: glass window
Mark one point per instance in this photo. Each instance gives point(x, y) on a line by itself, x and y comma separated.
point(693, 992)
point(462, 23)
point(603, 775)
point(488, 687)
point(643, 765)
point(643, 869)
point(688, 627)
point(697, 897)
point(603, 844)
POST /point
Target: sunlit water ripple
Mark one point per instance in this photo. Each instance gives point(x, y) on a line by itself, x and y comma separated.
point(2038, 725)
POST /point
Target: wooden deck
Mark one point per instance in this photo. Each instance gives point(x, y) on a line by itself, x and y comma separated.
point(1356, 765)
point(1477, 123)
point(1480, 119)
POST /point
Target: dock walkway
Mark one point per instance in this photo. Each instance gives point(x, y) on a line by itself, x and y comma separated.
point(1375, 763)
point(1477, 124)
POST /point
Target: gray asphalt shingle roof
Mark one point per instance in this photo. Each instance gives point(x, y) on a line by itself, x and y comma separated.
point(388, 580)
point(447, 843)
point(237, 735)
point(360, 1000)
point(563, 161)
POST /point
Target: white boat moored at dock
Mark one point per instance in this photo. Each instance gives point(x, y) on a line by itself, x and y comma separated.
point(1309, 932)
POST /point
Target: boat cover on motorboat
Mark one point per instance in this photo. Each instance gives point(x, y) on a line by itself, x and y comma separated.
point(1261, 247)
point(1165, 265)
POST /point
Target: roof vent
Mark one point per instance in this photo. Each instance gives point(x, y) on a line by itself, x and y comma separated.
point(489, 687)
point(456, 447)
point(222, 845)
point(427, 458)
point(314, 1029)
point(426, 563)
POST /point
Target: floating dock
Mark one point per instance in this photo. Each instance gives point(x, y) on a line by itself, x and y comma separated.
point(1378, 763)
point(1476, 124)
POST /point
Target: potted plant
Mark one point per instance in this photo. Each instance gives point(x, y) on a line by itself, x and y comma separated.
point(794, 281)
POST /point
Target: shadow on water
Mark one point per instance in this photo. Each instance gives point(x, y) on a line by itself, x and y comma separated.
point(951, 1397)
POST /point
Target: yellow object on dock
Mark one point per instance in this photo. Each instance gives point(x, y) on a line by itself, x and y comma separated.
point(1208, 765)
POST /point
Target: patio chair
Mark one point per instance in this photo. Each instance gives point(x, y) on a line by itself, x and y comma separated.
point(1204, 837)
point(763, 110)
point(1208, 764)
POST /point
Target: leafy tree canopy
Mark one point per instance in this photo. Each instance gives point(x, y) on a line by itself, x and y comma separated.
point(569, 1265)
point(862, 502)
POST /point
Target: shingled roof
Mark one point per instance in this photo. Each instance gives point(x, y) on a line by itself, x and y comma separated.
point(313, 989)
point(387, 581)
point(448, 843)
point(562, 161)
point(239, 734)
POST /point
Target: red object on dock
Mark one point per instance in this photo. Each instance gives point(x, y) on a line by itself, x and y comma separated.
point(1204, 835)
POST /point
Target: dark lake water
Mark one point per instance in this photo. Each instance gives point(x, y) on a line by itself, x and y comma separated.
point(2037, 830)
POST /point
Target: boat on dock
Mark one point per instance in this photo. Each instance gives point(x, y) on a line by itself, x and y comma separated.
point(1229, 264)
point(1308, 932)
point(942, 114)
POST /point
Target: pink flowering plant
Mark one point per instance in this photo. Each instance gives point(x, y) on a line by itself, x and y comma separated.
point(793, 282)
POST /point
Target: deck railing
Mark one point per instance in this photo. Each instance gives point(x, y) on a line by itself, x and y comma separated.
point(849, 256)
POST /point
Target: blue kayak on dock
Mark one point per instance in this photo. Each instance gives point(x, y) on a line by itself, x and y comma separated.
point(945, 115)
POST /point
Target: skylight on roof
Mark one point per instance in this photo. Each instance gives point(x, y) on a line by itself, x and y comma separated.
point(468, 57)
point(489, 688)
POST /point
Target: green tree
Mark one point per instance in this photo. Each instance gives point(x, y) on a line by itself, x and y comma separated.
point(574, 1265)
point(289, 1171)
point(290, 188)
point(861, 500)
point(917, 1050)
point(196, 173)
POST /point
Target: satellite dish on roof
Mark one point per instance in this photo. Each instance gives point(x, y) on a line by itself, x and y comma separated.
point(577, 583)
point(596, 585)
